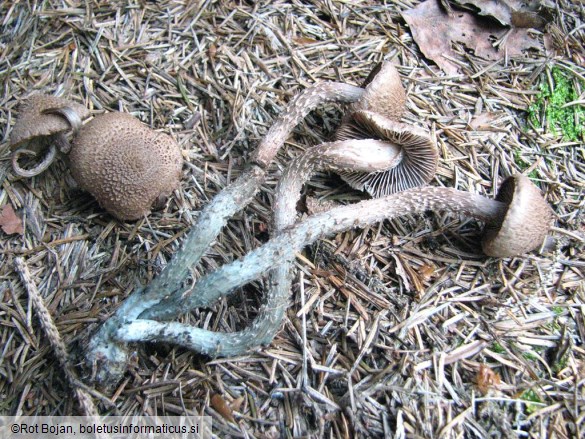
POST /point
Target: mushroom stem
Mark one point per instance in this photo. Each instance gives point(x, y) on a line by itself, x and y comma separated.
point(337, 155)
point(52, 141)
point(364, 155)
point(301, 106)
point(280, 251)
point(208, 226)
point(240, 193)
point(39, 168)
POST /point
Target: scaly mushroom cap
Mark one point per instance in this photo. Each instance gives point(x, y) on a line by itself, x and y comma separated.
point(124, 164)
point(34, 121)
point(419, 154)
point(525, 224)
point(384, 93)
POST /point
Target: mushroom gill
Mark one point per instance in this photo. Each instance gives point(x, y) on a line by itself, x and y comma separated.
point(419, 155)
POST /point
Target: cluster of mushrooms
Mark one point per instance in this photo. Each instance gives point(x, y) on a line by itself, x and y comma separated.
point(372, 150)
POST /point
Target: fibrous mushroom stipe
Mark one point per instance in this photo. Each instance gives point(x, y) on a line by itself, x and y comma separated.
point(282, 248)
point(110, 355)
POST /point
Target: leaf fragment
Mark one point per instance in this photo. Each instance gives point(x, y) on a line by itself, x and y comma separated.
point(221, 406)
point(10, 222)
point(487, 379)
point(435, 31)
point(518, 13)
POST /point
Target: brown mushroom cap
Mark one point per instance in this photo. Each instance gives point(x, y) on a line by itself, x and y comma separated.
point(384, 93)
point(525, 224)
point(33, 120)
point(124, 164)
point(419, 157)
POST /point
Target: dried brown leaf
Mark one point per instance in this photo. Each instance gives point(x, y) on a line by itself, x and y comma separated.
point(487, 379)
point(434, 30)
point(221, 406)
point(517, 13)
point(426, 271)
point(10, 222)
point(501, 10)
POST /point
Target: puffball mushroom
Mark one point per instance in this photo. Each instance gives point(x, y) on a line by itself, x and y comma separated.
point(124, 164)
point(41, 125)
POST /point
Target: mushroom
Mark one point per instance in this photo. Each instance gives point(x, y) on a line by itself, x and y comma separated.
point(136, 319)
point(522, 225)
point(419, 155)
point(376, 115)
point(42, 123)
point(518, 202)
point(124, 164)
point(112, 355)
point(383, 94)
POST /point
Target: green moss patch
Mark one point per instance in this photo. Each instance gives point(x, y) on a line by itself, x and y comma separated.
point(531, 397)
point(549, 108)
